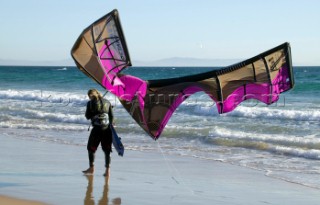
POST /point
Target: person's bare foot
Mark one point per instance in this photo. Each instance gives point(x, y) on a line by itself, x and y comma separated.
point(107, 173)
point(90, 170)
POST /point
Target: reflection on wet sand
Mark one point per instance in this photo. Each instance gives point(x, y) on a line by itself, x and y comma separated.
point(89, 198)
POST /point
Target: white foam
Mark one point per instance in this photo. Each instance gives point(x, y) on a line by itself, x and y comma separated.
point(280, 144)
point(18, 114)
point(56, 97)
point(202, 105)
point(44, 96)
point(62, 68)
point(41, 126)
point(297, 152)
point(58, 117)
point(277, 113)
point(271, 138)
point(305, 114)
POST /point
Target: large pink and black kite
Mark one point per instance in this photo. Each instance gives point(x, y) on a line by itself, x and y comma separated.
point(101, 53)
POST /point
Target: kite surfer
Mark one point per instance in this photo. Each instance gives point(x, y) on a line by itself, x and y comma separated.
point(99, 111)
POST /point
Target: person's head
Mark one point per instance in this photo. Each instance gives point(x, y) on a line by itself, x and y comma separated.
point(94, 94)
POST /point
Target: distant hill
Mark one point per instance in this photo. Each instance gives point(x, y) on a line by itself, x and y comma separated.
point(163, 62)
point(193, 62)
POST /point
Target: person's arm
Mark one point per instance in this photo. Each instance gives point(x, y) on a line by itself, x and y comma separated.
point(110, 113)
point(88, 111)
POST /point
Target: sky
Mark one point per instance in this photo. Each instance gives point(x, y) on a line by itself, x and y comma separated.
point(45, 30)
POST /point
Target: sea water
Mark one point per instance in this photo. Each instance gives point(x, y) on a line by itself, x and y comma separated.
point(48, 103)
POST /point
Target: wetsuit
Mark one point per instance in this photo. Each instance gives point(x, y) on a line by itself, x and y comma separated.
point(98, 111)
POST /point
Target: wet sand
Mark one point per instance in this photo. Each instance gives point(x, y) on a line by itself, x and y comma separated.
point(51, 173)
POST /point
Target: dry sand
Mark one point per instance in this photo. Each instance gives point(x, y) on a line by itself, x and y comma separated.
point(4, 200)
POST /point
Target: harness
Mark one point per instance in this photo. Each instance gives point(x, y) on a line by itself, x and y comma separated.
point(101, 119)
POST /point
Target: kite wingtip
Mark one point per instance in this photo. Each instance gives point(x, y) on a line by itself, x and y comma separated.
point(115, 12)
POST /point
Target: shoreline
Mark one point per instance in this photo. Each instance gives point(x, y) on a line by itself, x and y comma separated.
point(51, 173)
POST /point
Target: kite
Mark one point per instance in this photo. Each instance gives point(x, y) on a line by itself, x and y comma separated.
point(101, 53)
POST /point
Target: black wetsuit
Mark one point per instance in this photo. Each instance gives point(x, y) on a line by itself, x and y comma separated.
point(99, 133)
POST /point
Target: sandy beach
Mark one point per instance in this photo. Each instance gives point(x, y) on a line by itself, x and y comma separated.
point(14, 201)
point(51, 173)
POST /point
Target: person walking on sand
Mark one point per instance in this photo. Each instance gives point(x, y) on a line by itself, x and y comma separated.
point(99, 111)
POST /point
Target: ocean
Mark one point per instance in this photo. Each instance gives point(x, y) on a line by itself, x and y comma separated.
point(47, 104)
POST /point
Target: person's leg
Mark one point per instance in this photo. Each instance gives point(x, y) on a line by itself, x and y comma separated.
point(93, 143)
point(106, 143)
point(107, 164)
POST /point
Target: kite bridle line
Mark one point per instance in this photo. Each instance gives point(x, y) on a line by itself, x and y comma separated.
point(171, 167)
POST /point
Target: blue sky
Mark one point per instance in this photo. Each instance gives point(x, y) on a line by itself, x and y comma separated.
point(45, 30)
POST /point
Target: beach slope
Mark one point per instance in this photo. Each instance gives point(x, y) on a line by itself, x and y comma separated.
point(51, 173)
